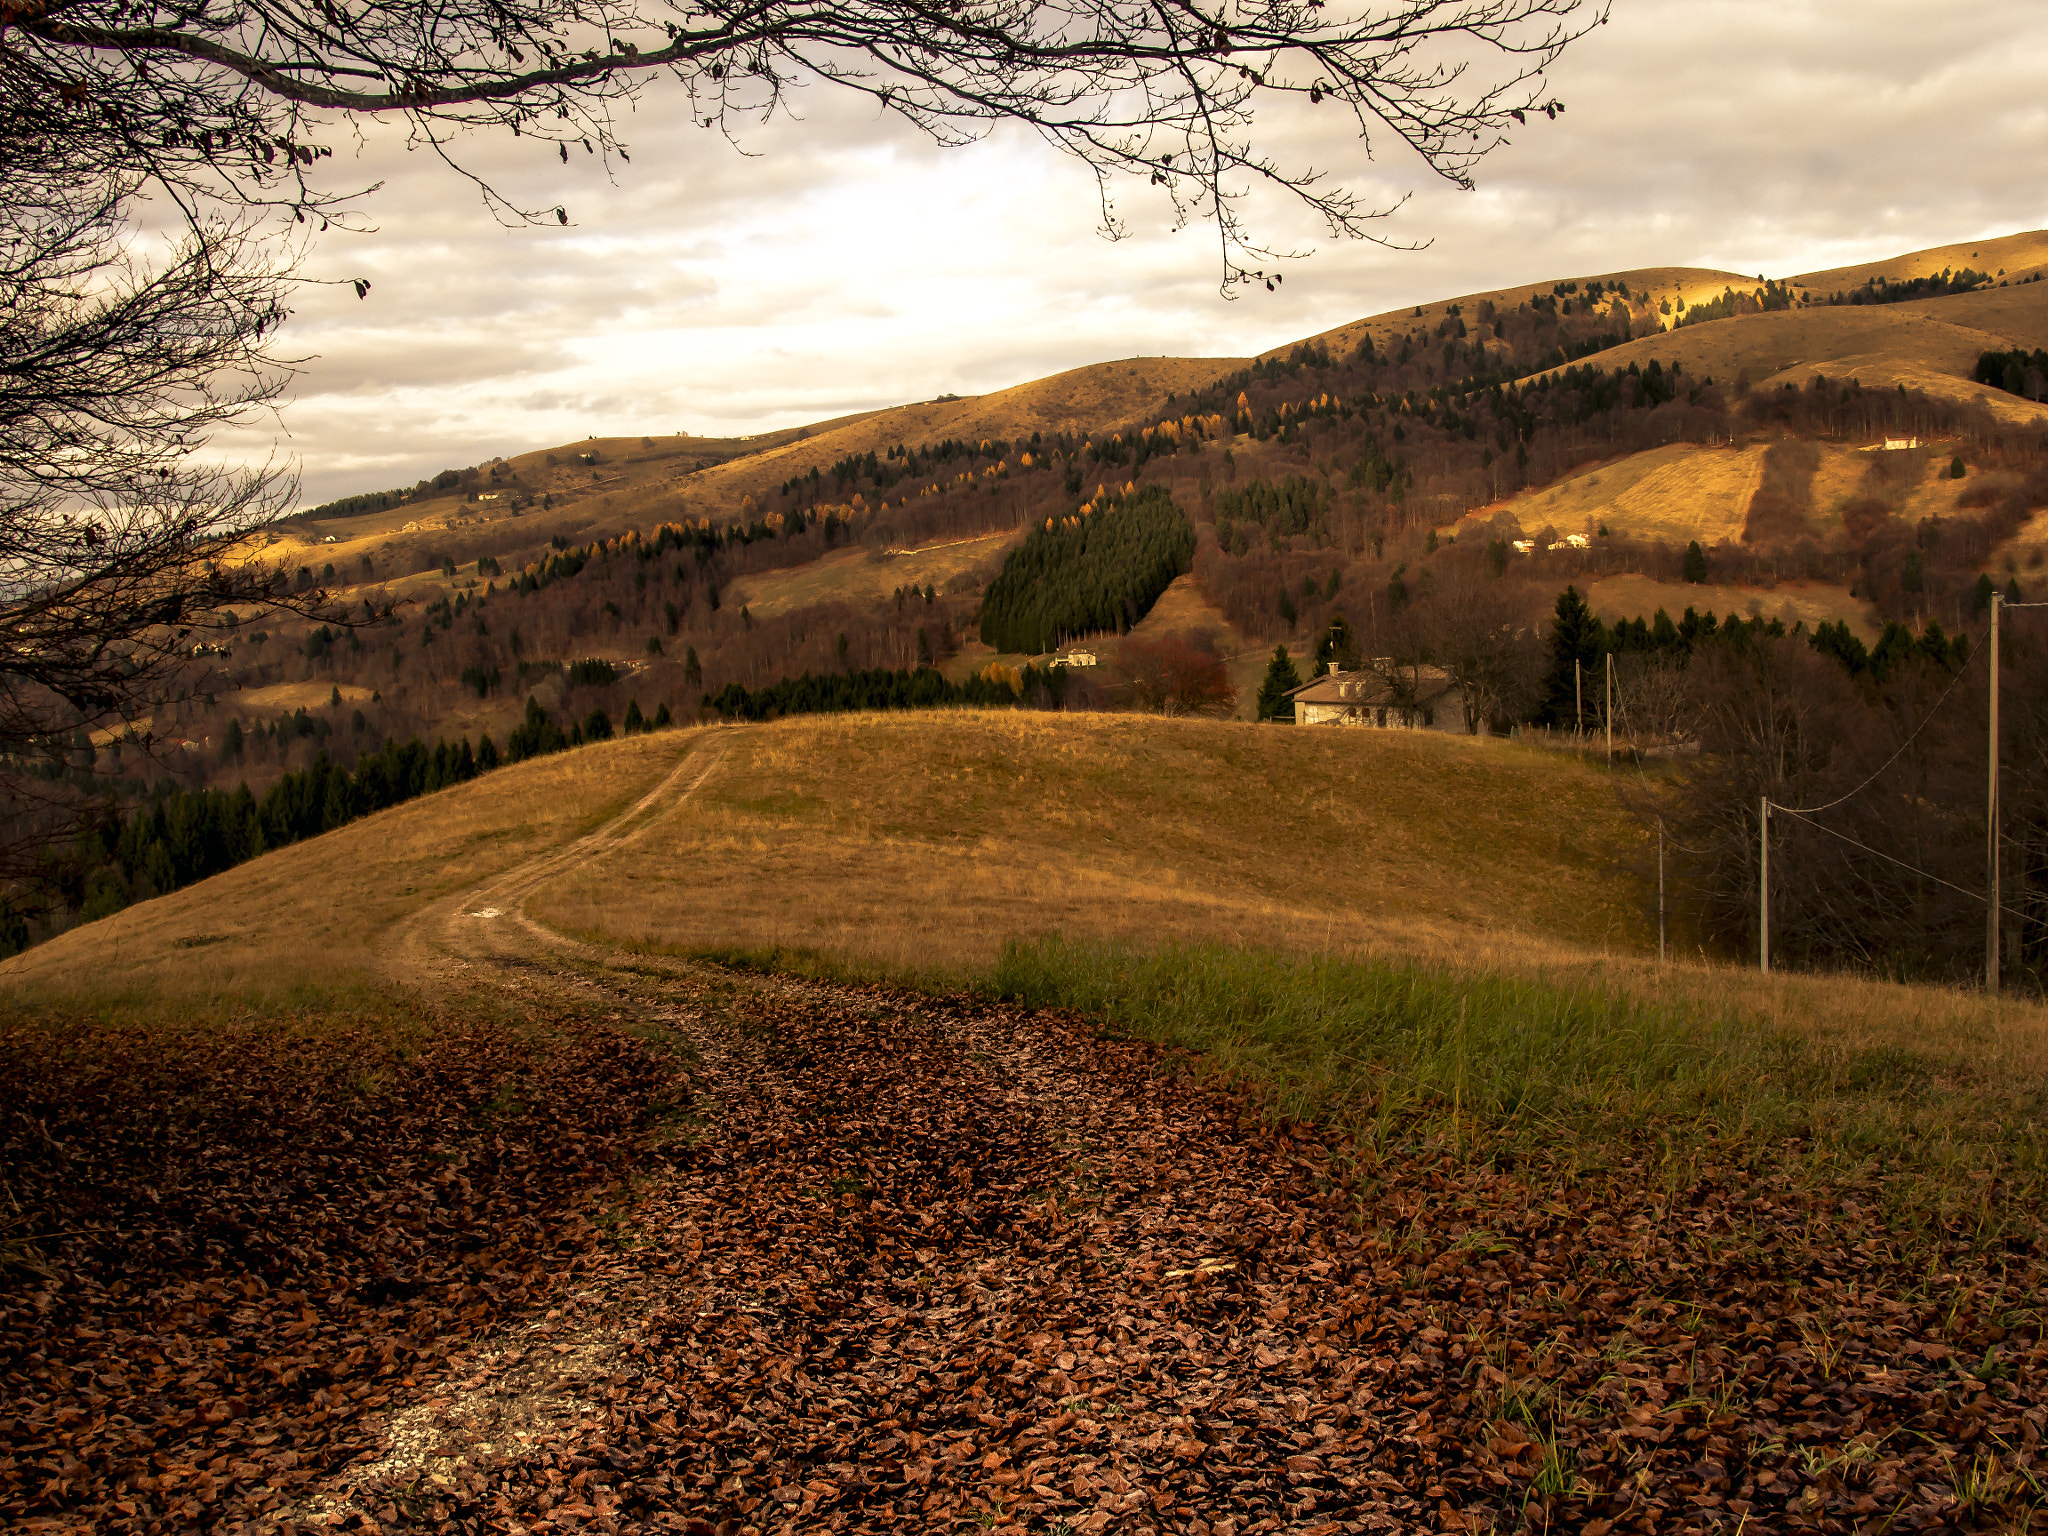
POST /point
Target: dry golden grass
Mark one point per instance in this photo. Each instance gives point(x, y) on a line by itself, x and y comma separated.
point(2017, 255)
point(1694, 284)
point(1929, 344)
point(1090, 399)
point(858, 576)
point(918, 844)
point(1813, 603)
point(282, 698)
point(927, 840)
point(1677, 493)
point(322, 911)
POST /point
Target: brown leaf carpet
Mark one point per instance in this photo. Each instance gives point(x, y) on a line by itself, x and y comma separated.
point(920, 1264)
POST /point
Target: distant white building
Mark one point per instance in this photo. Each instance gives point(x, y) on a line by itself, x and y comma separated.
point(1893, 444)
point(1075, 659)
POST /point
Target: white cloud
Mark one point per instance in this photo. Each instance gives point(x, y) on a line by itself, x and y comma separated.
point(844, 265)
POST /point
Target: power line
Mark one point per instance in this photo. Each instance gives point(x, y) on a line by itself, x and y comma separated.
point(1925, 721)
point(1888, 858)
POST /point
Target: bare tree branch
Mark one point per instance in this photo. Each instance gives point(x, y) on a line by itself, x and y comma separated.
point(225, 100)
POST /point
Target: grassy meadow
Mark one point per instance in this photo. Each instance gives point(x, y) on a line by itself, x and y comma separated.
point(1294, 873)
point(947, 849)
point(923, 842)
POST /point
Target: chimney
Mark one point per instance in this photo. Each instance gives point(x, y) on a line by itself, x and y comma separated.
point(1333, 666)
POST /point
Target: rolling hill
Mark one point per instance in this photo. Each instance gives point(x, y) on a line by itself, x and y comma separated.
point(1401, 444)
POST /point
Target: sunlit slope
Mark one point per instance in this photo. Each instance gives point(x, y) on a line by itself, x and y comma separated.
point(1811, 603)
point(928, 839)
point(1695, 285)
point(630, 472)
point(1929, 344)
point(2010, 256)
point(1679, 492)
point(860, 577)
point(324, 910)
point(1926, 344)
point(1091, 399)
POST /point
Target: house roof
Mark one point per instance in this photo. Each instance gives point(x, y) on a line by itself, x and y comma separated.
point(1369, 688)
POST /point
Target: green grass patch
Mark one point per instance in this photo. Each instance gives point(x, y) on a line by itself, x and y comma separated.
point(1485, 1062)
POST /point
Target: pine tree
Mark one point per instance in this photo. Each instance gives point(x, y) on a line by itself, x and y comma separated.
point(1577, 642)
point(1281, 679)
point(1695, 563)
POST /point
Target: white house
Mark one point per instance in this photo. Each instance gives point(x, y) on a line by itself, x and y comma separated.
point(1387, 698)
point(1074, 659)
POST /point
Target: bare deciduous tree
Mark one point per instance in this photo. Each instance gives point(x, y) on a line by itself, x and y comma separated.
point(227, 99)
point(119, 541)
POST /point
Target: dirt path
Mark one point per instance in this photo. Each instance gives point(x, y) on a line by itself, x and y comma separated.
point(907, 1262)
point(485, 931)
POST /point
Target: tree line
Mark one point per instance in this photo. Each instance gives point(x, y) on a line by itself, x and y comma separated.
point(175, 837)
point(906, 688)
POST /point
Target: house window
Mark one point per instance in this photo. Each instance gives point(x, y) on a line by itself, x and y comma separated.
point(1428, 718)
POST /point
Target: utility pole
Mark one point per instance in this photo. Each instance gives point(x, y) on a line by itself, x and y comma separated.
point(1579, 695)
point(1992, 892)
point(1764, 889)
point(1610, 706)
point(1660, 890)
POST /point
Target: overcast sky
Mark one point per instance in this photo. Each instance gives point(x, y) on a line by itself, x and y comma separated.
point(844, 264)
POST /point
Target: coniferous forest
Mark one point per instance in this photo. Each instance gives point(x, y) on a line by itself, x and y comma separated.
point(1098, 569)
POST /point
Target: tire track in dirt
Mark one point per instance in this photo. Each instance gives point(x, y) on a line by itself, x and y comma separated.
point(485, 931)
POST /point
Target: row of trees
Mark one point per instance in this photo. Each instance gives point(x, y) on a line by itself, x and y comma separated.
point(922, 688)
point(176, 836)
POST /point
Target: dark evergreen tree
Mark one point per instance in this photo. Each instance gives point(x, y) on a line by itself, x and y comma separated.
point(1695, 563)
point(1281, 679)
point(1338, 644)
point(1578, 641)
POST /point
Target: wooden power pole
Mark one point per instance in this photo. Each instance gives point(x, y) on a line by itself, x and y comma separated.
point(1991, 881)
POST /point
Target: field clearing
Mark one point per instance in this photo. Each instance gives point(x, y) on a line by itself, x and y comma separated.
point(1676, 493)
point(857, 576)
point(813, 829)
point(282, 698)
point(1811, 603)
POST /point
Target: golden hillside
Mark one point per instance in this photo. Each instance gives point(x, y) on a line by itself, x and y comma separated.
point(2008, 256)
point(808, 832)
point(1693, 284)
point(1929, 344)
point(1924, 344)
